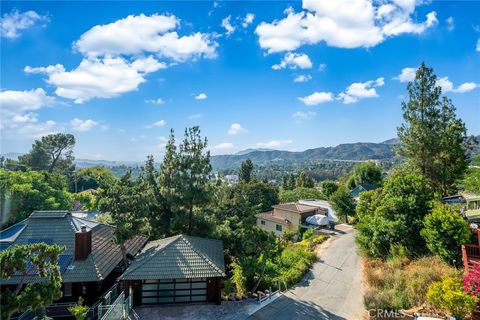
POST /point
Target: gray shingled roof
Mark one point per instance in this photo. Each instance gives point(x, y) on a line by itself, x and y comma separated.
point(59, 227)
point(178, 257)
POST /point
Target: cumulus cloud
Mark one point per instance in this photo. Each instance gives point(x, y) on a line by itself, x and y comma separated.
point(222, 146)
point(274, 143)
point(98, 78)
point(18, 116)
point(248, 20)
point(360, 90)
point(228, 26)
point(293, 61)
point(407, 75)
point(316, 98)
point(144, 34)
point(201, 96)
point(235, 129)
point(14, 23)
point(447, 86)
point(342, 24)
point(155, 101)
point(159, 123)
point(302, 78)
point(300, 115)
point(82, 125)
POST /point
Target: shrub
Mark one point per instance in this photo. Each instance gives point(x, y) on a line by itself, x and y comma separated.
point(238, 279)
point(78, 310)
point(307, 234)
point(471, 283)
point(444, 233)
point(448, 295)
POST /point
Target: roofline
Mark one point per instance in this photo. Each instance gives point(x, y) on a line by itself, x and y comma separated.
point(297, 211)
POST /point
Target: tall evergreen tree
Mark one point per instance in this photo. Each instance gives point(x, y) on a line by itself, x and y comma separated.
point(304, 181)
point(246, 171)
point(432, 139)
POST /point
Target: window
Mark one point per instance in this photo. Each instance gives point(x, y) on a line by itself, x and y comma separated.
point(262, 222)
point(67, 289)
point(279, 227)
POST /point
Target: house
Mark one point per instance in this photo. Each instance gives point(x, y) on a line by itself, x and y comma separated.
point(287, 216)
point(324, 206)
point(90, 263)
point(178, 269)
point(469, 202)
point(362, 188)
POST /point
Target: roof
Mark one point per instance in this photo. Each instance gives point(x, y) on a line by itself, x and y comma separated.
point(59, 227)
point(470, 196)
point(295, 207)
point(178, 257)
point(270, 216)
point(362, 188)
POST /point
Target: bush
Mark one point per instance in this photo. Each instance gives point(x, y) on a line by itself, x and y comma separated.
point(307, 234)
point(448, 295)
point(299, 193)
point(444, 233)
point(78, 310)
point(471, 283)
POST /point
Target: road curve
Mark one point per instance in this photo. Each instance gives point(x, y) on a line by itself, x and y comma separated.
point(332, 289)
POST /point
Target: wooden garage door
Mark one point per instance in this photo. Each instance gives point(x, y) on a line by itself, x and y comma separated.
point(174, 291)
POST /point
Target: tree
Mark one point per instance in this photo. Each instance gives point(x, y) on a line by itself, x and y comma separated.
point(365, 172)
point(471, 181)
point(92, 178)
point(28, 191)
point(343, 202)
point(246, 171)
point(431, 138)
point(195, 169)
point(22, 260)
point(444, 233)
point(52, 153)
point(298, 194)
point(127, 205)
point(329, 187)
point(303, 181)
point(291, 182)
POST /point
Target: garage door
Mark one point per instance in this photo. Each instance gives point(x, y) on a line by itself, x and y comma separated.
point(173, 291)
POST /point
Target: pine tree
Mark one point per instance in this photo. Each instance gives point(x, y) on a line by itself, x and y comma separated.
point(246, 171)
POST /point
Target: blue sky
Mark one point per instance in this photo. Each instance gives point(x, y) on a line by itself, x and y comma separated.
point(282, 75)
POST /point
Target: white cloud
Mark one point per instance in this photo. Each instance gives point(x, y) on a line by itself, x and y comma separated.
point(14, 23)
point(142, 34)
point(450, 23)
point(201, 96)
point(316, 98)
point(407, 75)
point(235, 129)
point(322, 67)
point(17, 117)
point(223, 146)
point(300, 115)
point(478, 45)
point(228, 26)
point(159, 123)
point(341, 23)
point(447, 86)
point(360, 90)
point(293, 60)
point(302, 78)
point(274, 143)
point(155, 101)
point(99, 78)
point(82, 125)
point(196, 116)
point(248, 20)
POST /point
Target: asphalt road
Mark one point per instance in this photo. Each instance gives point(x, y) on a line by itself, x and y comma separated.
point(331, 290)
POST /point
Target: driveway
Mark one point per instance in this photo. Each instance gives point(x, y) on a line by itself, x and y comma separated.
point(332, 289)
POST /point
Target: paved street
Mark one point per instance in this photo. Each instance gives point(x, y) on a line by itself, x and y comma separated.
point(331, 290)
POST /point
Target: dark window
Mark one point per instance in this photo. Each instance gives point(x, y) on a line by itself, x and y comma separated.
point(279, 227)
point(67, 289)
point(262, 222)
point(170, 291)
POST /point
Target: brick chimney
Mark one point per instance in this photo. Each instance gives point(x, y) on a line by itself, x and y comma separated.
point(83, 243)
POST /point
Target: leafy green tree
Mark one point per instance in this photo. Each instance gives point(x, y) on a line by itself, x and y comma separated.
point(343, 202)
point(246, 171)
point(21, 260)
point(285, 185)
point(298, 194)
point(365, 172)
point(471, 181)
point(432, 139)
point(53, 152)
point(79, 310)
point(127, 205)
point(303, 181)
point(25, 192)
point(292, 184)
point(444, 233)
point(195, 169)
point(92, 178)
point(329, 187)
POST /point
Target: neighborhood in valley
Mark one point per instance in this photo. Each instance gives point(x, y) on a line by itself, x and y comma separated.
point(207, 160)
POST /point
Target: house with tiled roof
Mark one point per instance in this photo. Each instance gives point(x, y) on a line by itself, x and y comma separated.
point(362, 188)
point(178, 269)
point(91, 261)
point(287, 216)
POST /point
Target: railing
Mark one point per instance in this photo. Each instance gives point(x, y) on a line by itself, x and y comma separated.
point(262, 296)
point(472, 251)
point(119, 309)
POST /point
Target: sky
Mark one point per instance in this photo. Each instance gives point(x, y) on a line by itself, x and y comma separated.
point(288, 75)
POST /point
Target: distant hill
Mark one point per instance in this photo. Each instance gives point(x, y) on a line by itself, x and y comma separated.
point(343, 152)
point(247, 151)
